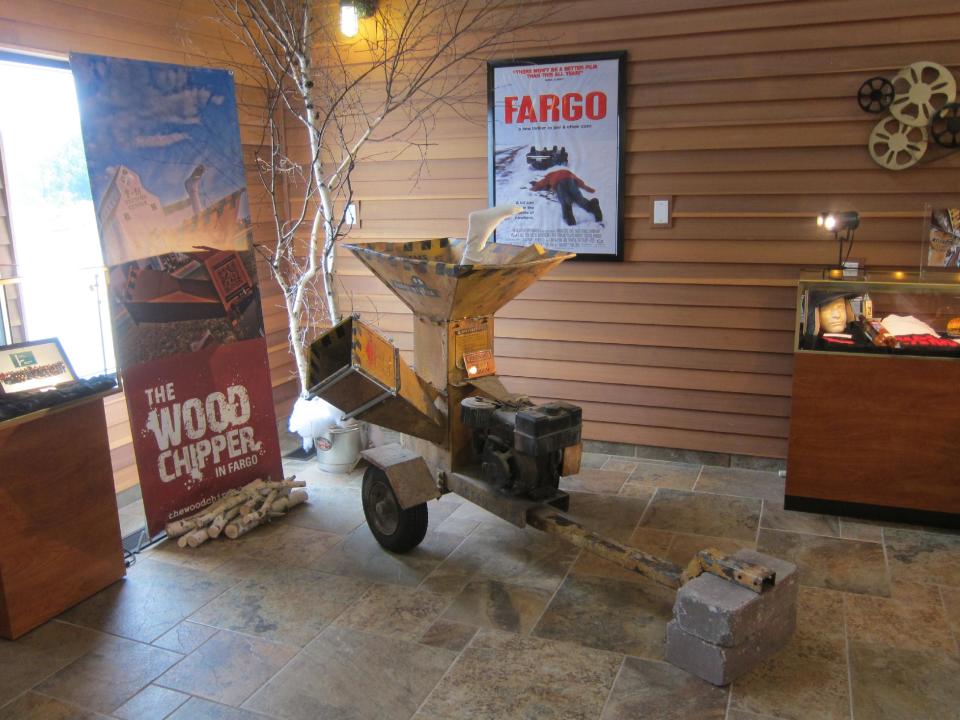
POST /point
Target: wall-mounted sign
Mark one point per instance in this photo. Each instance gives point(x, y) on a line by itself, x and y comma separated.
point(35, 365)
point(166, 168)
point(556, 136)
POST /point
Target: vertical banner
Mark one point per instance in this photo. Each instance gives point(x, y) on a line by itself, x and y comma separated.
point(166, 168)
point(555, 135)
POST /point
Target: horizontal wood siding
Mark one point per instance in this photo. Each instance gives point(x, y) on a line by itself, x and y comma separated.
point(746, 113)
point(168, 31)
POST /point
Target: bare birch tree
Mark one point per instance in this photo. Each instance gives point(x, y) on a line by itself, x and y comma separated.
point(346, 99)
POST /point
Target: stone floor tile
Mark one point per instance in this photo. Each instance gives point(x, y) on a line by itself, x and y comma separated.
point(345, 673)
point(951, 604)
point(149, 601)
point(228, 668)
point(596, 481)
point(109, 674)
point(623, 617)
point(703, 513)
point(820, 612)
point(923, 557)
point(608, 515)
point(32, 706)
point(497, 605)
point(329, 509)
point(774, 517)
point(677, 476)
point(318, 479)
point(893, 684)
point(807, 680)
point(468, 512)
point(288, 545)
point(861, 530)
point(744, 715)
point(677, 455)
point(360, 555)
point(448, 635)
point(505, 553)
point(616, 464)
point(913, 618)
point(151, 703)
point(287, 605)
point(502, 676)
point(185, 637)
point(650, 689)
point(685, 546)
point(200, 709)
point(745, 483)
point(394, 611)
point(593, 460)
point(832, 563)
point(206, 558)
point(40, 653)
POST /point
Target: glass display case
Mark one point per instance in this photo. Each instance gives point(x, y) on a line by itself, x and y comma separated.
point(891, 313)
point(873, 422)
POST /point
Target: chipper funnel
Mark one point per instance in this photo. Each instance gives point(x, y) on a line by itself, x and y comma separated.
point(428, 278)
point(359, 372)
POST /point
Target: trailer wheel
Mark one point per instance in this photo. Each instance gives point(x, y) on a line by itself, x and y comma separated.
point(396, 529)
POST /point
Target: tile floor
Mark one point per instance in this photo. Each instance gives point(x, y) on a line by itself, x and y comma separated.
point(308, 618)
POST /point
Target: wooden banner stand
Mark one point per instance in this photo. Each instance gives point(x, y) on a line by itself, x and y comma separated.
point(60, 536)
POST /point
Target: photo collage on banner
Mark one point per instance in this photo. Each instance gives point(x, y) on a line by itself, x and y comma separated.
point(166, 168)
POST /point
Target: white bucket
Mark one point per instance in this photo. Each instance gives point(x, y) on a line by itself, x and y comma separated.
point(338, 449)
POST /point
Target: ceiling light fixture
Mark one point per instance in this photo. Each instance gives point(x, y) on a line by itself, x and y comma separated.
point(352, 12)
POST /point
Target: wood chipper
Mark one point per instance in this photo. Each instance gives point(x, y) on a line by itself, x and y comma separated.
point(464, 432)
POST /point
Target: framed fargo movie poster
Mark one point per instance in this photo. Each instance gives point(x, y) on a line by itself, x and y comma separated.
point(556, 138)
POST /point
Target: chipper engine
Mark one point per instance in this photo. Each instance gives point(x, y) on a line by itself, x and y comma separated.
point(464, 432)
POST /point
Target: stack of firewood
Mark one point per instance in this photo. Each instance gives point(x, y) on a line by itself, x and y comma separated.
point(239, 511)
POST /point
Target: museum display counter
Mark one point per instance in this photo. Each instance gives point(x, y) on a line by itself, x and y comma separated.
point(874, 424)
point(60, 535)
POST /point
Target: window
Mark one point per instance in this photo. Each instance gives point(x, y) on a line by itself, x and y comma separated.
point(55, 245)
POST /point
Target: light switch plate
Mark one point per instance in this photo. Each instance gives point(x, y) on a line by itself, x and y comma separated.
point(352, 216)
point(661, 211)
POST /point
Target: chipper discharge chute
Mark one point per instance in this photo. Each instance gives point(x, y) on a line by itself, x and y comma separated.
point(465, 433)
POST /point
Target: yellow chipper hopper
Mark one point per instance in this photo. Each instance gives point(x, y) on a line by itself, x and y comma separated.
point(465, 433)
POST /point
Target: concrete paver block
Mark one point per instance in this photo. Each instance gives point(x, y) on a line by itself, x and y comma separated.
point(723, 613)
point(721, 665)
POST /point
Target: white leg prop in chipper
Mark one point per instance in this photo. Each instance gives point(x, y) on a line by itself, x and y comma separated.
point(465, 433)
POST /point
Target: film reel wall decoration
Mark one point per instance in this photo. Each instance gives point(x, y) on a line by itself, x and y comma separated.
point(921, 101)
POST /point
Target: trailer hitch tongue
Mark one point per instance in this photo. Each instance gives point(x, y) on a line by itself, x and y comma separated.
point(749, 575)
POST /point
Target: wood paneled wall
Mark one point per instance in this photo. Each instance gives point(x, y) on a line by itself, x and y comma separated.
point(177, 31)
point(746, 113)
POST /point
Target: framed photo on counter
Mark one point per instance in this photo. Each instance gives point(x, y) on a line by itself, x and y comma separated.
point(34, 365)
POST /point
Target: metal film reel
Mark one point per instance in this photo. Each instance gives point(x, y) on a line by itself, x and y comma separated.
point(896, 146)
point(921, 88)
point(945, 126)
point(875, 95)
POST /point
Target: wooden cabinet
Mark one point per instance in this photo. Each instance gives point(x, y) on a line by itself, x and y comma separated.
point(59, 530)
point(876, 433)
point(875, 437)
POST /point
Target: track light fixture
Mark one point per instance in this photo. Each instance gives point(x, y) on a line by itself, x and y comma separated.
point(837, 223)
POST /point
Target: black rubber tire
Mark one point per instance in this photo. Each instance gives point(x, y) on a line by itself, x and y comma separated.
point(396, 530)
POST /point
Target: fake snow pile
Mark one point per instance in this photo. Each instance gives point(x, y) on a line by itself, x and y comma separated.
point(312, 417)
